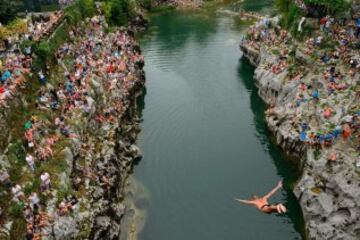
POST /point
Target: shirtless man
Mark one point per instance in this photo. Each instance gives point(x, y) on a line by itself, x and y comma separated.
point(262, 204)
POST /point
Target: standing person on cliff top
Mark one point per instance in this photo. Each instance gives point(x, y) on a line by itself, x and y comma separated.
point(262, 204)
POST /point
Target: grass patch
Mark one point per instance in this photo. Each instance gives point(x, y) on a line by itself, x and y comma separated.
point(18, 229)
point(16, 155)
point(16, 210)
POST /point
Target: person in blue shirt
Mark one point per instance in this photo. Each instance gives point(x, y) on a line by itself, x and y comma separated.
point(315, 94)
point(42, 78)
point(358, 27)
point(6, 75)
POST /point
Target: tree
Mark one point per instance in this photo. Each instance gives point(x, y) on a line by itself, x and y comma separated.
point(331, 6)
point(8, 10)
point(118, 12)
point(87, 7)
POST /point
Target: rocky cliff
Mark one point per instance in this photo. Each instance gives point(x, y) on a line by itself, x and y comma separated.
point(328, 191)
point(82, 133)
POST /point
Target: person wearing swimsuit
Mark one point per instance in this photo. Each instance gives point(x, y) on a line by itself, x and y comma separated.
point(262, 204)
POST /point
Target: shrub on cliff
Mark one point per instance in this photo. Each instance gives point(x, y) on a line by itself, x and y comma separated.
point(15, 26)
point(118, 12)
point(87, 7)
point(8, 10)
point(79, 10)
point(147, 4)
point(43, 50)
point(330, 6)
point(290, 13)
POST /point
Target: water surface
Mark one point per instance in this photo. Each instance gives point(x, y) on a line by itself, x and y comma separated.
point(204, 138)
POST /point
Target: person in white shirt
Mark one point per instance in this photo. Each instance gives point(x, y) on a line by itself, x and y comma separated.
point(31, 162)
point(45, 181)
point(18, 193)
point(34, 199)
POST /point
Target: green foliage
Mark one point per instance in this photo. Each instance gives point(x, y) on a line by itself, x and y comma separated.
point(282, 5)
point(147, 4)
point(73, 14)
point(328, 43)
point(32, 187)
point(294, 16)
point(43, 50)
point(356, 45)
point(32, 5)
point(59, 37)
point(8, 10)
point(16, 210)
point(290, 12)
point(17, 26)
point(27, 43)
point(331, 6)
point(17, 150)
point(118, 12)
point(86, 7)
point(16, 154)
point(18, 228)
point(13, 27)
point(63, 192)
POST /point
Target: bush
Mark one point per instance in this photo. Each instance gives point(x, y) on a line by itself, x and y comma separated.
point(4, 32)
point(290, 12)
point(18, 229)
point(73, 14)
point(8, 10)
point(63, 192)
point(16, 210)
point(328, 43)
point(32, 187)
point(118, 12)
point(356, 45)
point(147, 4)
point(87, 8)
point(282, 5)
point(27, 43)
point(17, 26)
point(331, 6)
point(43, 50)
point(59, 37)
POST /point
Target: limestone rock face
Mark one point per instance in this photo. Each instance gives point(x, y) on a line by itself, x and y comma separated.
point(328, 192)
point(65, 228)
point(355, 9)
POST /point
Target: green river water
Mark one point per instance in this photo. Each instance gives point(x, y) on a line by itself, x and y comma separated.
point(204, 137)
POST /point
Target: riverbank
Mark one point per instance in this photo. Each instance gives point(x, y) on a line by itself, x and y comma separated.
point(312, 93)
point(64, 173)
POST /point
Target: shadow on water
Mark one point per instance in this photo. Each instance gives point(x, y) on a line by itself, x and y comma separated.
point(285, 168)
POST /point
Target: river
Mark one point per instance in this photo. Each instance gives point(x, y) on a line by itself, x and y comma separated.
point(204, 137)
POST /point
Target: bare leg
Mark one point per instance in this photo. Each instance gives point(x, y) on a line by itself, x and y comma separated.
point(278, 208)
point(283, 208)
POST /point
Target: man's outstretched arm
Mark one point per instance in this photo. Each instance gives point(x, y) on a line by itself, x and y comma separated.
point(272, 192)
point(244, 201)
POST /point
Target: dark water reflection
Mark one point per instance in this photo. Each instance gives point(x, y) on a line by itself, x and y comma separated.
point(204, 137)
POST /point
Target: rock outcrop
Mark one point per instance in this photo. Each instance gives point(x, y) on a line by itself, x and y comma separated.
point(328, 191)
point(91, 163)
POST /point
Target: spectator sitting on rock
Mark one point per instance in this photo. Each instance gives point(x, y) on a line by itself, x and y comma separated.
point(34, 200)
point(42, 78)
point(5, 179)
point(31, 162)
point(45, 182)
point(18, 193)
